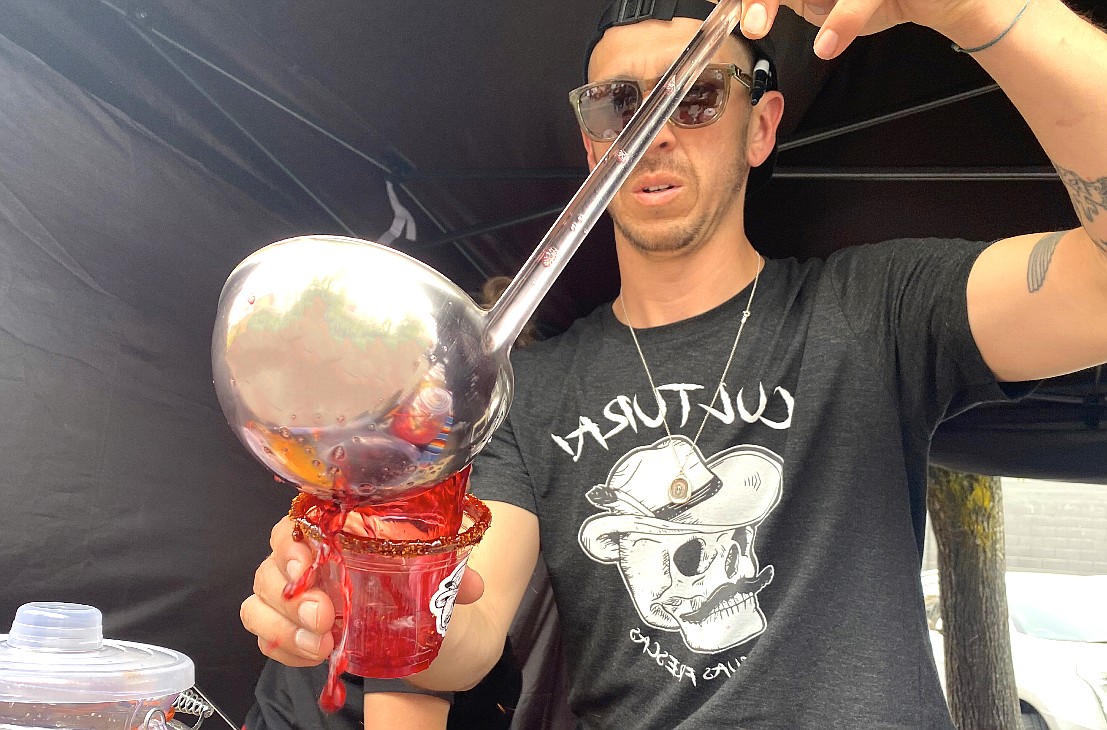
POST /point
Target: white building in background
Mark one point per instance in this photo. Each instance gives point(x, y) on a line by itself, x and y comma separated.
point(1053, 527)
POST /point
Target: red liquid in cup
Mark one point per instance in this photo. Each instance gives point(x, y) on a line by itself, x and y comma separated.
point(393, 573)
point(401, 609)
point(428, 515)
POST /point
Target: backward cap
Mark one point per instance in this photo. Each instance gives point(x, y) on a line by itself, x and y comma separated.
point(628, 12)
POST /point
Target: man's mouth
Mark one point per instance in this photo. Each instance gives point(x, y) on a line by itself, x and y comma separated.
point(731, 597)
point(656, 193)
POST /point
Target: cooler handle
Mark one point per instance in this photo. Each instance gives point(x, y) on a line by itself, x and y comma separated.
point(190, 702)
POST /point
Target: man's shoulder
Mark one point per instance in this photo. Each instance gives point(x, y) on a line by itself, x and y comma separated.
point(902, 249)
point(552, 355)
point(863, 273)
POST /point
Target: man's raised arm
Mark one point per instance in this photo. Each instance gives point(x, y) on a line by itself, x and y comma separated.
point(1037, 303)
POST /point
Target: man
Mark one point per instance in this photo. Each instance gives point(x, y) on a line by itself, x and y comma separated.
point(726, 467)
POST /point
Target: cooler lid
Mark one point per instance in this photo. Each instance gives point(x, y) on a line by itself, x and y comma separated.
point(56, 653)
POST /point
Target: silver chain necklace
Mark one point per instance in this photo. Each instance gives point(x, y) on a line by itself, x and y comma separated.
point(680, 489)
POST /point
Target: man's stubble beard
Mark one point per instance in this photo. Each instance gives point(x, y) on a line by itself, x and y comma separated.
point(684, 234)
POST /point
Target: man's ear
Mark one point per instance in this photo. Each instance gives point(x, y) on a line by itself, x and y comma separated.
point(589, 150)
point(764, 121)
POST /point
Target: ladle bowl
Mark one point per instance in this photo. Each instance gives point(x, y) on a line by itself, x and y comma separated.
point(353, 371)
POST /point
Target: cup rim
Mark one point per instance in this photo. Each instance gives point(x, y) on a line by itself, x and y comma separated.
point(472, 507)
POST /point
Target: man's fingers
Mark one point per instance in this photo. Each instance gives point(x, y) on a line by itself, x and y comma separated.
point(355, 524)
point(297, 631)
point(471, 588)
point(281, 532)
point(291, 556)
point(757, 17)
point(847, 20)
point(312, 610)
point(841, 21)
point(286, 549)
point(281, 639)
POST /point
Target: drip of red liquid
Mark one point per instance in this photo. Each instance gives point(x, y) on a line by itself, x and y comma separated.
point(329, 517)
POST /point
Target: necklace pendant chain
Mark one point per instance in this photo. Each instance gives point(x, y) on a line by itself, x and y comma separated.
point(680, 488)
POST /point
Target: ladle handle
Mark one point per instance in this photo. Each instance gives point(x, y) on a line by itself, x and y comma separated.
point(522, 296)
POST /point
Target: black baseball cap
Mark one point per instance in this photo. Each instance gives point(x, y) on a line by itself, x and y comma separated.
point(628, 12)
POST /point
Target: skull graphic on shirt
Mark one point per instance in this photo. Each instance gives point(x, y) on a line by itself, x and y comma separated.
point(704, 585)
point(689, 569)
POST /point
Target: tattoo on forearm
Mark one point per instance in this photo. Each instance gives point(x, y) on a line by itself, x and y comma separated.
point(1089, 197)
point(1040, 257)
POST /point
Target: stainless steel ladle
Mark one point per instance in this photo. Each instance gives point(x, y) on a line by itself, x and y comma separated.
point(362, 375)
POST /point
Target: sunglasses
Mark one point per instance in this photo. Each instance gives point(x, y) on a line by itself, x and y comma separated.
point(604, 108)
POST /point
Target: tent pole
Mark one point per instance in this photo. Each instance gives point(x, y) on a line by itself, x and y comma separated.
point(284, 108)
point(483, 228)
point(461, 248)
point(917, 174)
point(884, 118)
point(295, 115)
point(245, 132)
point(502, 173)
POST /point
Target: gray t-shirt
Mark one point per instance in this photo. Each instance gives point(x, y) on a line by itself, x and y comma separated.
point(782, 589)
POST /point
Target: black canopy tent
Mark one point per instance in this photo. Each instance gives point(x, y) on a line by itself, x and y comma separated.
point(147, 146)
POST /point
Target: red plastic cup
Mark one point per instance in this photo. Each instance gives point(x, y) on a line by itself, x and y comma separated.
point(402, 591)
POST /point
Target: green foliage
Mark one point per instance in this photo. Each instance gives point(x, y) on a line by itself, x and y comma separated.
point(321, 302)
point(968, 500)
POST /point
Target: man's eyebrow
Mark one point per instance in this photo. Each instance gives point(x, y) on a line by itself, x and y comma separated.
point(630, 77)
point(623, 75)
point(635, 72)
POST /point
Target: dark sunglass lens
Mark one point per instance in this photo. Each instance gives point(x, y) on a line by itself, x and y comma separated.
point(704, 100)
point(606, 108)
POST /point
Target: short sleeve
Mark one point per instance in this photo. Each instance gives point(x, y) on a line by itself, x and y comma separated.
point(370, 685)
point(906, 301)
point(499, 473)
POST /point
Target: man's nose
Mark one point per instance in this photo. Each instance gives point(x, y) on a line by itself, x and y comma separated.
point(665, 139)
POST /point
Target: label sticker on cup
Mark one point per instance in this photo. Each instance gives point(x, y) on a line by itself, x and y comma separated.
point(442, 602)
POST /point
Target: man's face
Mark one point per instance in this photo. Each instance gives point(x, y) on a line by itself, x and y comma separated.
point(690, 180)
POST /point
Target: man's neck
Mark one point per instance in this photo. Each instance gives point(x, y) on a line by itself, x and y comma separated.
point(659, 289)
